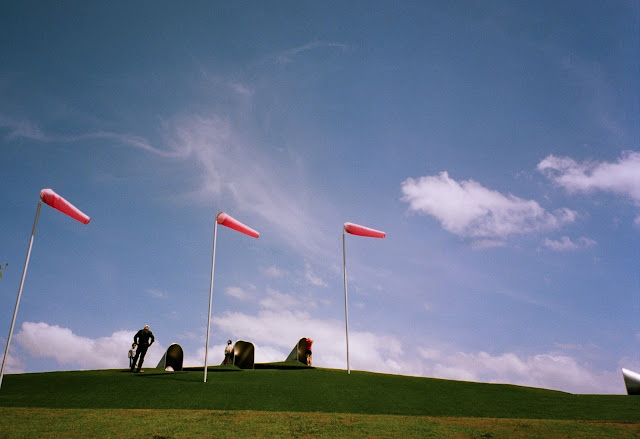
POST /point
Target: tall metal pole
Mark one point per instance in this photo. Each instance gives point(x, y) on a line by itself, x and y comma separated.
point(213, 262)
point(24, 273)
point(346, 312)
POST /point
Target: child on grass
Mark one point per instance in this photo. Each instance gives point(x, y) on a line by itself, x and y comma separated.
point(132, 354)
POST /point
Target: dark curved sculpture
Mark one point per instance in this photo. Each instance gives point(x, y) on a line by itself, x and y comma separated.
point(172, 358)
point(631, 381)
point(298, 353)
point(243, 354)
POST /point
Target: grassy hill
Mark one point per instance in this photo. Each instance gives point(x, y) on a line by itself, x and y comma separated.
point(298, 392)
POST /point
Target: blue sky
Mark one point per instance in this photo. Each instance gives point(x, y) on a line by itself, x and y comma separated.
point(496, 144)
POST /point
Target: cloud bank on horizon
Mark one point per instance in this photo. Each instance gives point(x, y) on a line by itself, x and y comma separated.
point(375, 353)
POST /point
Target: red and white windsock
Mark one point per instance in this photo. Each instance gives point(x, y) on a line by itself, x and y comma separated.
point(355, 229)
point(226, 220)
point(57, 202)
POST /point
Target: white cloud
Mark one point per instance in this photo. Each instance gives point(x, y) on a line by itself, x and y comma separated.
point(274, 272)
point(238, 293)
point(14, 364)
point(195, 359)
point(269, 354)
point(276, 300)
point(262, 354)
point(552, 371)
point(156, 293)
point(280, 331)
point(468, 209)
point(274, 334)
point(621, 177)
point(68, 349)
point(312, 278)
point(566, 244)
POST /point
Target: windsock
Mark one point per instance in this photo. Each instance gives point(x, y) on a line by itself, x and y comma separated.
point(355, 229)
point(57, 202)
point(226, 220)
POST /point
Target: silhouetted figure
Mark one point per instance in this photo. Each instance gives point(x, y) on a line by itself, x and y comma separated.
point(143, 338)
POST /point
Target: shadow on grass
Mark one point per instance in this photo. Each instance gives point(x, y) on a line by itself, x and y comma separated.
point(182, 375)
point(291, 364)
point(221, 368)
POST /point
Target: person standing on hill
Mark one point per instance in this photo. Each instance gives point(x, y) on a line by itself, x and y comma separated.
point(143, 338)
point(307, 351)
point(228, 353)
point(132, 354)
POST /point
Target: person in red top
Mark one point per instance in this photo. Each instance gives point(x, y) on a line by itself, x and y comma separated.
point(308, 350)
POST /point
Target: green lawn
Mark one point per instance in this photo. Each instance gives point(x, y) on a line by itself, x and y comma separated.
point(194, 424)
point(298, 403)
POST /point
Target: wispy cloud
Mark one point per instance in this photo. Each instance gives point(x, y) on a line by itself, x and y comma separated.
point(242, 89)
point(468, 209)
point(276, 300)
point(258, 184)
point(487, 243)
point(157, 293)
point(566, 244)
point(621, 177)
point(274, 272)
point(312, 278)
point(228, 167)
point(28, 130)
point(238, 293)
point(287, 56)
point(602, 99)
point(20, 129)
